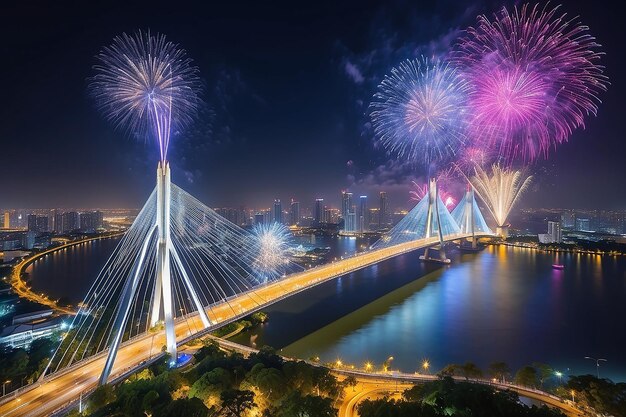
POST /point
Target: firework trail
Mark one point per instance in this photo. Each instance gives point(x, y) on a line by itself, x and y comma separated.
point(535, 75)
point(420, 191)
point(273, 242)
point(144, 84)
point(499, 189)
point(419, 111)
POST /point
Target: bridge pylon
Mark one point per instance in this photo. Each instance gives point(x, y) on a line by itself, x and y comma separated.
point(433, 223)
point(469, 218)
point(162, 300)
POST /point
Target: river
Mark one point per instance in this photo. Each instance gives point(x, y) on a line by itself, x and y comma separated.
point(501, 304)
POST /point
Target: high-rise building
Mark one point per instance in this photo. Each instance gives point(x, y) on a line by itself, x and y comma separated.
point(294, 213)
point(7, 220)
point(278, 211)
point(32, 223)
point(350, 222)
point(259, 218)
point(346, 204)
point(37, 224)
point(319, 211)
point(69, 221)
point(363, 214)
point(554, 230)
point(582, 225)
point(383, 210)
point(57, 222)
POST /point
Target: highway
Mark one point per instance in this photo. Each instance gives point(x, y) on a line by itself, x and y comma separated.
point(55, 390)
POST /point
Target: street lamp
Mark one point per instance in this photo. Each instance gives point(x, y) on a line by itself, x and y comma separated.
point(425, 365)
point(597, 364)
point(387, 363)
point(558, 375)
point(4, 387)
point(368, 366)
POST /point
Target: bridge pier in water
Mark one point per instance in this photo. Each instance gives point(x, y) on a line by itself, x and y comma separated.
point(433, 224)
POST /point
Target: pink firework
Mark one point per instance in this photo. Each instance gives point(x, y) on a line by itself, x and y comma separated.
point(420, 191)
point(535, 76)
point(472, 157)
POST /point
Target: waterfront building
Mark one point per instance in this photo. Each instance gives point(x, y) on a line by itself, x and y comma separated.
point(7, 220)
point(582, 225)
point(319, 211)
point(69, 221)
point(278, 211)
point(294, 213)
point(383, 211)
point(363, 214)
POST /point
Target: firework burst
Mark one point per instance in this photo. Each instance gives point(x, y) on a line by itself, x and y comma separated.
point(535, 76)
point(499, 189)
point(419, 111)
point(273, 242)
point(420, 191)
point(144, 84)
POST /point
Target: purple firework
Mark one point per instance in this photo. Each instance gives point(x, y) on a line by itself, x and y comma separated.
point(535, 76)
point(144, 84)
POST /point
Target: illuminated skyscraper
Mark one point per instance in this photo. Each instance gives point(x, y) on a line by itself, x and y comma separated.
point(278, 211)
point(7, 220)
point(363, 214)
point(319, 211)
point(346, 204)
point(383, 211)
point(554, 230)
point(294, 213)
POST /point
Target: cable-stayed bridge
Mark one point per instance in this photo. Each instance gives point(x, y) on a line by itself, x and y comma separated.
point(182, 271)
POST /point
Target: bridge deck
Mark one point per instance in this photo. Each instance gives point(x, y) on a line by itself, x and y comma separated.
point(59, 388)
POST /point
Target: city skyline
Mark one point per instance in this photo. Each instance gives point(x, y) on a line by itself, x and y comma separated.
point(257, 122)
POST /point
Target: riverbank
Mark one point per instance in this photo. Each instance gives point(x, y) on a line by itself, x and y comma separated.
point(23, 290)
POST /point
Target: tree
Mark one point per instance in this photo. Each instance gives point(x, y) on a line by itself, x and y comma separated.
point(470, 370)
point(211, 384)
point(527, 376)
point(543, 372)
point(450, 370)
point(499, 370)
point(185, 407)
point(236, 402)
point(350, 382)
point(415, 393)
point(149, 400)
point(101, 396)
point(296, 405)
point(602, 395)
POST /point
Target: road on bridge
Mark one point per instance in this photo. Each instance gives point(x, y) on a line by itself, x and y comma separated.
point(60, 388)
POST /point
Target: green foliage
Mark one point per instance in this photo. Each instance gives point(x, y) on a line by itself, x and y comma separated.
point(101, 396)
point(258, 318)
point(184, 407)
point(211, 384)
point(236, 402)
point(470, 370)
point(527, 376)
point(603, 395)
point(449, 398)
point(296, 405)
point(499, 370)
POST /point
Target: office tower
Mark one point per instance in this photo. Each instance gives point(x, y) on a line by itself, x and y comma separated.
point(383, 211)
point(346, 204)
point(582, 225)
point(69, 221)
point(363, 214)
point(57, 222)
point(42, 224)
point(32, 223)
point(350, 222)
point(259, 218)
point(7, 220)
point(294, 213)
point(278, 211)
point(319, 211)
point(98, 219)
point(554, 230)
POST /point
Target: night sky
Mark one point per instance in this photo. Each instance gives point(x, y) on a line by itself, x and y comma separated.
point(286, 92)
